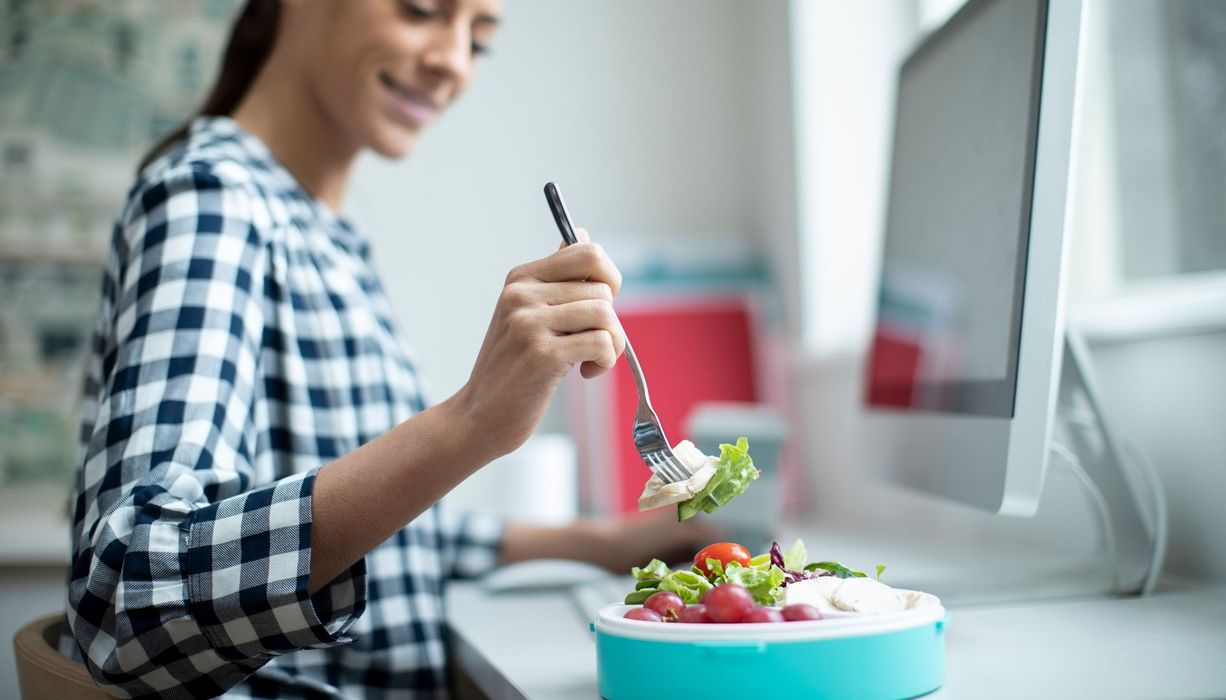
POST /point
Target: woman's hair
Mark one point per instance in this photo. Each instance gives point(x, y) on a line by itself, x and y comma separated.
point(250, 42)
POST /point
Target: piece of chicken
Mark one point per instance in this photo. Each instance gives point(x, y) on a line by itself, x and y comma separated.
point(657, 494)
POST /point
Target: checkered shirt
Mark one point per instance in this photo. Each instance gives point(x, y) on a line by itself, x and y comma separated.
point(243, 341)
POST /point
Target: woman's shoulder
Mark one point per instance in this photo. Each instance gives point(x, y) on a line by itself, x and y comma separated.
point(208, 153)
point(215, 171)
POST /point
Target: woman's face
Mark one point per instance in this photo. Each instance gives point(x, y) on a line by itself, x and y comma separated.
point(381, 70)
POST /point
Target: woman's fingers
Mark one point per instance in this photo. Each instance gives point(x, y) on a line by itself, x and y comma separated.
point(587, 315)
point(581, 234)
point(552, 314)
point(595, 350)
point(578, 262)
point(557, 293)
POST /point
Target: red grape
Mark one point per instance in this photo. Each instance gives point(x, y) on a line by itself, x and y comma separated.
point(665, 603)
point(643, 614)
point(799, 612)
point(762, 614)
point(728, 602)
point(693, 613)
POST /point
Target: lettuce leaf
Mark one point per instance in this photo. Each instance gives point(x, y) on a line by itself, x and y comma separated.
point(687, 584)
point(766, 585)
point(732, 476)
point(836, 569)
point(794, 558)
point(655, 569)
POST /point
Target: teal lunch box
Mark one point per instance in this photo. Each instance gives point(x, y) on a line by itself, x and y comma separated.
point(845, 655)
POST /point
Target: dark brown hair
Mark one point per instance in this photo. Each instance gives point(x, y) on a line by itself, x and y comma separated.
point(250, 42)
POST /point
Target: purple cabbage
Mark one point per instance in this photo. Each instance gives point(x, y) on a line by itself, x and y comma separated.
point(791, 575)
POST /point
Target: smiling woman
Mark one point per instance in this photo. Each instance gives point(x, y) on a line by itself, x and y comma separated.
point(261, 469)
point(388, 69)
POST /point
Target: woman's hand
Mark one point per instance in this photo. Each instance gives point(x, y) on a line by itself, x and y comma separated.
point(634, 539)
point(616, 543)
point(552, 314)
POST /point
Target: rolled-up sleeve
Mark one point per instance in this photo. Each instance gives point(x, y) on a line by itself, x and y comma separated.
point(471, 540)
point(190, 565)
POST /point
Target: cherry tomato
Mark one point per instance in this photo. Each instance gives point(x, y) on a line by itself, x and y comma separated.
point(724, 552)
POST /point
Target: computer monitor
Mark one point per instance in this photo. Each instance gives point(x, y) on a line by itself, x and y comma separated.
point(964, 368)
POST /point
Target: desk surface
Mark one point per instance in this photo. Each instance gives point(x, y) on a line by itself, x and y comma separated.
point(536, 646)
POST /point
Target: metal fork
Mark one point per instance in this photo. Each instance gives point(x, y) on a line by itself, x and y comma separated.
point(649, 437)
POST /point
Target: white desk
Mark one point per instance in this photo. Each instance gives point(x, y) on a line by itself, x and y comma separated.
point(535, 646)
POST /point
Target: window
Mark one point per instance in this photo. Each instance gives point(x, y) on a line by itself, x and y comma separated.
point(1168, 82)
point(1149, 250)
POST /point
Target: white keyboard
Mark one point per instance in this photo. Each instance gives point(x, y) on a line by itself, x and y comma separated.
point(590, 597)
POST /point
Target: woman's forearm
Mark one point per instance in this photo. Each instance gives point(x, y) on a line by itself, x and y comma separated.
point(364, 497)
point(616, 543)
point(583, 540)
point(553, 314)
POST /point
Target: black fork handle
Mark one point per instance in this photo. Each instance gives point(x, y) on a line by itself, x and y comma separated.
point(560, 217)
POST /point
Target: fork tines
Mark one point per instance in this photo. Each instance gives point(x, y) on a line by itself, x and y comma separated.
point(666, 464)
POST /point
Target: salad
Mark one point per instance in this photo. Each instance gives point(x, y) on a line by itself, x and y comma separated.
point(727, 584)
point(715, 480)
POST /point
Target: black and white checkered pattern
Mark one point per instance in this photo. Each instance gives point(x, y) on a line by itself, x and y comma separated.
point(243, 341)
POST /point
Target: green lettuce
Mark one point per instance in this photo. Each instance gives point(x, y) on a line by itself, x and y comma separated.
point(732, 476)
point(762, 561)
point(794, 558)
point(655, 569)
point(656, 576)
point(765, 584)
point(687, 584)
point(837, 569)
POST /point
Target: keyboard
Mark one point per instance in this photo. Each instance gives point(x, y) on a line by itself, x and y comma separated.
point(588, 598)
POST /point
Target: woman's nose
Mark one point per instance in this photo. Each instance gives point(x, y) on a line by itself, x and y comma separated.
point(450, 52)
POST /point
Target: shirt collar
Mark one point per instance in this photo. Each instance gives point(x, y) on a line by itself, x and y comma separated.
point(256, 154)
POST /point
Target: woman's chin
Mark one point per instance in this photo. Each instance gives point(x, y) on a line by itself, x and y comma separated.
point(394, 142)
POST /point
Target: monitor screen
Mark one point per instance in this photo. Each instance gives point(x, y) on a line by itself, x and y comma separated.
point(949, 306)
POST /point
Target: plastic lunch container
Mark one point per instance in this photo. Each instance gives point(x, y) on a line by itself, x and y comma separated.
point(847, 655)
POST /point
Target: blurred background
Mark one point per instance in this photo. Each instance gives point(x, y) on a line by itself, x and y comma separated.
point(732, 157)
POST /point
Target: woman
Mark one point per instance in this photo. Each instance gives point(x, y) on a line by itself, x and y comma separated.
point(257, 510)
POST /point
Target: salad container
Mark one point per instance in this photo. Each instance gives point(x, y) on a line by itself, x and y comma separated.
point(844, 655)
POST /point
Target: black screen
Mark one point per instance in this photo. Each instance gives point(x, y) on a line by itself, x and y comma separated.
point(949, 306)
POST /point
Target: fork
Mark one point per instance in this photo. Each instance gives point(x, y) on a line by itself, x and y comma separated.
point(648, 434)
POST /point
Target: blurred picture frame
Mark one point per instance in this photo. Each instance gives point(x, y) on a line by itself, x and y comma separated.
point(85, 87)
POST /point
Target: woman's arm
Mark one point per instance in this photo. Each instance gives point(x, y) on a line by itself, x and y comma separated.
point(188, 570)
point(364, 497)
point(552, 314)
point(186, 575)
point(614, 543)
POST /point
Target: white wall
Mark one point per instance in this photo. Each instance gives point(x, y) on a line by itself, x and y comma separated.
point(1168, 396)
point(25, 593)
point(644, 114)
point(665, 119)
point(847, 56)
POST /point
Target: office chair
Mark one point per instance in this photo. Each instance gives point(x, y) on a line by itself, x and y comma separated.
point(43, 673)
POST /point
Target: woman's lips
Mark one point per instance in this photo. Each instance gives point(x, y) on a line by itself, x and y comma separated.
point(410, 106)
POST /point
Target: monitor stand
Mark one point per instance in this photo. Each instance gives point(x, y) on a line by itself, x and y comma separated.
point(1131, 499)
